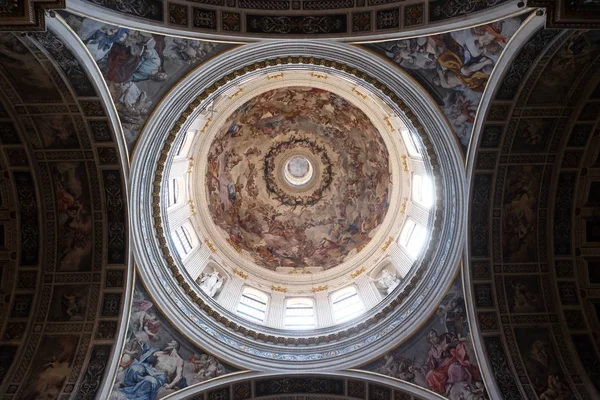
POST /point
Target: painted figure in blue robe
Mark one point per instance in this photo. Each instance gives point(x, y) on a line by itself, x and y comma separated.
point(150, 67)
point(155, 369)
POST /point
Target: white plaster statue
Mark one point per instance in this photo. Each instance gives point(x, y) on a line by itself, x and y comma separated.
point(211, 283)
point(387, 281)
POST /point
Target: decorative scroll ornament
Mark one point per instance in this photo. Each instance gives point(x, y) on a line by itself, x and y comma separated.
point(210, 245)
point(240, 273)
point(357, 272)
point(387, 243)
point(276, 288)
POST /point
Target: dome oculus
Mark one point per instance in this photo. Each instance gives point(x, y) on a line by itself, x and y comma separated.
point(298, 177)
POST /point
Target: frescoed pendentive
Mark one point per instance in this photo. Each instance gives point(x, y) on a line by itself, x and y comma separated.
point(453, 67)
point(440, 356)
point(139, 67)
point(288, 225)
point(157, 360)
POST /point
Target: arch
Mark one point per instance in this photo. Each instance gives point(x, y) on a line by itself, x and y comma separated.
point(346, 304)
point(300, 313)
point(253, 304)
point(350, 383)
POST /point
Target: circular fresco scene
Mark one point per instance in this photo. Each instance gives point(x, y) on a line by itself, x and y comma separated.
point(298, 177)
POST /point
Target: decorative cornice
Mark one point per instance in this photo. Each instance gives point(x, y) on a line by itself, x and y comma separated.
point(276, 76)
point(240, 273)
point(408, 113)
point(357, 272)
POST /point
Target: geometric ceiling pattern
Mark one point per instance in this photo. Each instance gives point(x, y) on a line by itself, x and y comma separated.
point(520, 320)
point(530, 279)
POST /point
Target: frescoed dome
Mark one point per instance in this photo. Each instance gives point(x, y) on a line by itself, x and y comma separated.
point(298, 177)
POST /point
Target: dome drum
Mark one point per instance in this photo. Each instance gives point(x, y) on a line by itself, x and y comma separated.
point(390, 295)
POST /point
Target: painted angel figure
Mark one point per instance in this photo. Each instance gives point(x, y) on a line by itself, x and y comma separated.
point(144, 323)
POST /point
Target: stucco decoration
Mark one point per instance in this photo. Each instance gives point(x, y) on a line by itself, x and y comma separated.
point(282, 221)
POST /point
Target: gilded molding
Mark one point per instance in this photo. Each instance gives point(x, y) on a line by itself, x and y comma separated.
point(210, 245)
point(193, 208)
point(276, 288)
point(364, 96)
point(320, 288)
point(404, 163)
point(389, 124)
point(235, 246)
point(387, 243)
point(357, 272)
point(403, 207)
point(318, 76)
point(240, 273)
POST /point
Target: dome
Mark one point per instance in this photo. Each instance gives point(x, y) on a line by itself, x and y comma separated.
point(295, 203)
point(298, 177)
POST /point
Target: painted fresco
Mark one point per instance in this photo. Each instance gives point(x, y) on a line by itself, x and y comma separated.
point(26, 74)
point(56, 131)
point(519, 217)
point(541, 364)
point(453, 67)
point(524, 294)
point(283, 226)
point(139, 67)
point(69, 302)
point(157, 360)
point(440, 356)
point(565, 67)
point(533, 135)
point(74, 216)
point(51, 366)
